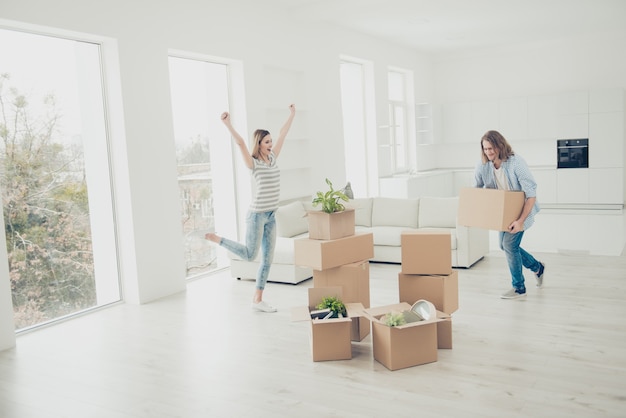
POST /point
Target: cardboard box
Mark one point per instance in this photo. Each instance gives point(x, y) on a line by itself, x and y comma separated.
point(354, 280)
point(403, 346)
point(327, 226)
point(489, 208)
point(444, 330)
point(360, 328)
point(331, 339)
point(441, 290)
point(426, 252)
point(327, 254)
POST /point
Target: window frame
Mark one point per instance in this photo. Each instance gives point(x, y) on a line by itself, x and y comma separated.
point(106, 250)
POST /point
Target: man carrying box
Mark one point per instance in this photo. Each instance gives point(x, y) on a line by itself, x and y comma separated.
point(502, 169)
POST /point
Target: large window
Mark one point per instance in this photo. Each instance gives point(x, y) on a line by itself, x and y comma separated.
point(398, 118)
point(200, 93)
point(55, 178)
point(359, 128)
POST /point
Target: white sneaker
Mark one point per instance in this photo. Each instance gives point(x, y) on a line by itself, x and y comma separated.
point(263, 307)
point(512, 294)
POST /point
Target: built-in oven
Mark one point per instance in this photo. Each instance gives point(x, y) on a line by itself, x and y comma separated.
point(572, 153)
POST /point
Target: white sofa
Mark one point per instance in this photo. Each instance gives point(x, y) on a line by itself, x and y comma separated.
point(386, 218)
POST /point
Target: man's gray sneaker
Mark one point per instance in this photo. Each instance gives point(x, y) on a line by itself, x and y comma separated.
point(539, 274)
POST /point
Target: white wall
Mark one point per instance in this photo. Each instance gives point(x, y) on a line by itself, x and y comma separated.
point(145, 161)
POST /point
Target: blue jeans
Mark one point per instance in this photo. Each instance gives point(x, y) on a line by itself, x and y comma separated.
point(261, 230)
point(517, 257)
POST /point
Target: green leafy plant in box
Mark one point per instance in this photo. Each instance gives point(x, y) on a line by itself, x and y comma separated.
point(330, 200)
point(335, 305)
point(394, 319)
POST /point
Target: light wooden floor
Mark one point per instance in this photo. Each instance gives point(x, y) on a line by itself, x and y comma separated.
point(203, 353)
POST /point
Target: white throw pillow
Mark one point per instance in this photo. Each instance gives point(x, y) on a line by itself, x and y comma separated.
point(291, 220)
point(438, 212)
point(362, 211)
point(389, 211)
point(308, 205)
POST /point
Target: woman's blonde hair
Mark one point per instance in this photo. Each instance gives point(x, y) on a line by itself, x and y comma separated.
point(258, 136)
point(499, 143)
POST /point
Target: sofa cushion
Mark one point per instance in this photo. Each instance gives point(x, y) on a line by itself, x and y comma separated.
point(388, 235)
point(362, 211)
point(389, 211)
point(438, 212)
point(283, 251)
point(291, 220)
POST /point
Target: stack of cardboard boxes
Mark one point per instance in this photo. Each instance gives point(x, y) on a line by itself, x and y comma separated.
point(426, 270)
point(339, 259)
point(426, 275)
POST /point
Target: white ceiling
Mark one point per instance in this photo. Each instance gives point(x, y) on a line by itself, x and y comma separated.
point(444, 26)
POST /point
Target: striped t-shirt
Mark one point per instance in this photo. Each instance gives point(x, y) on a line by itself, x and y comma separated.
point(267, 181)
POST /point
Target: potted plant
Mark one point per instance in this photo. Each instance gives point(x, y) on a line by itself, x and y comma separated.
point(335, 305)
point(330, 199)
point(334, 220)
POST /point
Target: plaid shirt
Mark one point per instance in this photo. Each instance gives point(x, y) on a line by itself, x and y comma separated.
point(519, 177)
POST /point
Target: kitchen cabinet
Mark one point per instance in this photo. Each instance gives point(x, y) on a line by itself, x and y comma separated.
point(606, 100)
point(546, 185)
point(437, 183)
point(542, 117)
point(484, 117)
point(606, 186)
point(533, 125)
point(572, 186)
point(563, 115)
point(590, 187)
point(606, 140)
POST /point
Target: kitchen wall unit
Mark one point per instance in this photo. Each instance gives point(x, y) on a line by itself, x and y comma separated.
point(436, 183)
point(533, 124)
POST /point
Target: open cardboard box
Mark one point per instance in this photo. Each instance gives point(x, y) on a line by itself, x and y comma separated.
point(444, 330)
point(406, 345)
point(334, 225)
point(354, 280)
point(441, 290)
point(331, 339)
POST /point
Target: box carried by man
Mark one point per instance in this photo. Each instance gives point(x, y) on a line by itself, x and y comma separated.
point(489, 208)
